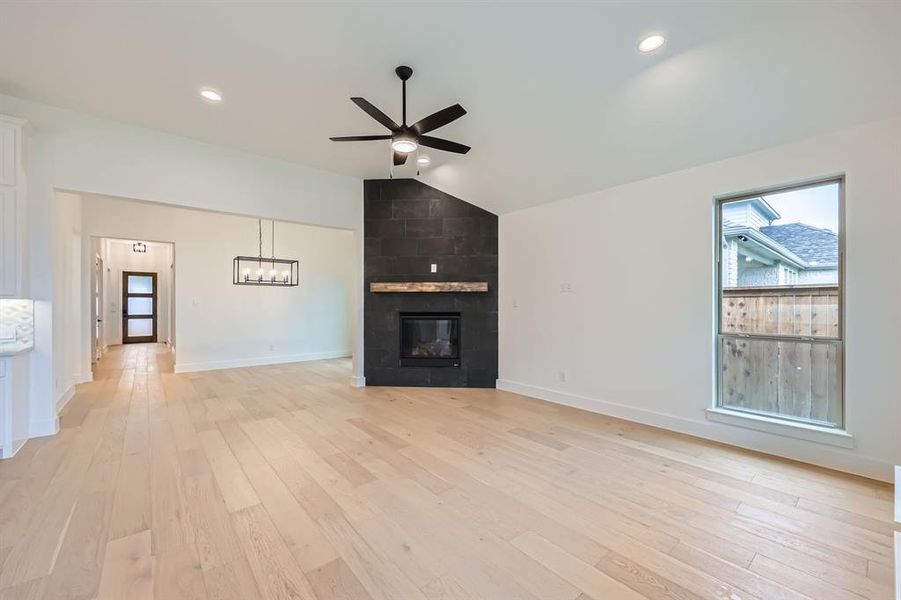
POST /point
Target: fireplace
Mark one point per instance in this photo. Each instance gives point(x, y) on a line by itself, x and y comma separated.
point(430, 339)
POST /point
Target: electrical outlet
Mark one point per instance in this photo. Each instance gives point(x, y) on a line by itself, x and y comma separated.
point(271, 347)
point(566, 288)
point(515, 303)
point(434, 267)
point(561, 376)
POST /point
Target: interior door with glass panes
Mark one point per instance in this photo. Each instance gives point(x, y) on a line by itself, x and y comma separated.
point(138, 307)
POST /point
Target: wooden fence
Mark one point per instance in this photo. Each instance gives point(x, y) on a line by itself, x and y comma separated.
point(796, 310)
point(799, 379)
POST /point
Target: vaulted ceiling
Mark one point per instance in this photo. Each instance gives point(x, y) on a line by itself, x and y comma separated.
point(559, 100)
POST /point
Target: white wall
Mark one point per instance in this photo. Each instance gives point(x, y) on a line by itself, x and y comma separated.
point(635, 334)
point(119, 256)
point(67, 315)
point(221, 325)
point(66, 150)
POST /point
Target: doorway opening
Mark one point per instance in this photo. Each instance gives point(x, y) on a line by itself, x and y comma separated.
point(133, 288)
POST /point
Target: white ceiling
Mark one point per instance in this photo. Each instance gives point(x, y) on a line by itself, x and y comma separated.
point(559, 100)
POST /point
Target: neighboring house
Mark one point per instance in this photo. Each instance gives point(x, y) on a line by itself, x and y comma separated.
point(757, 253)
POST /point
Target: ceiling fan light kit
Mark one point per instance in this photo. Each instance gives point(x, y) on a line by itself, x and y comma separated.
point(404, 145)
point(408, 138)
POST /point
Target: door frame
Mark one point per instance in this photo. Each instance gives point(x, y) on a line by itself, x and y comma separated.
point(126, 316)
point(97, 306)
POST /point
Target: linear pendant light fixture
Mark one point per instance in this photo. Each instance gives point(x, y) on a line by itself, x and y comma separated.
point(260, 270)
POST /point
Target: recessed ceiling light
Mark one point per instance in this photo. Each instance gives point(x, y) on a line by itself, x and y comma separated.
point(211, 95)
point(651, 43)
point(424, 161)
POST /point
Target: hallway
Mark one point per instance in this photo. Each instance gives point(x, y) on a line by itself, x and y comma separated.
point(149, 358)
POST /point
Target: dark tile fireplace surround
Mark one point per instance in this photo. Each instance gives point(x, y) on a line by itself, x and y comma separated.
point(441, 339)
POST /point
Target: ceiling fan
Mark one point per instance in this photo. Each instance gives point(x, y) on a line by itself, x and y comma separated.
point(407, 138)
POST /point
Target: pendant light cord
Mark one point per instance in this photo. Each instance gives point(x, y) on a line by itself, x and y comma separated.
point(260, 227)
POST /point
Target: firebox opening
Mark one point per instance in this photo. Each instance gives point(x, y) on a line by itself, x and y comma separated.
point(430, 339)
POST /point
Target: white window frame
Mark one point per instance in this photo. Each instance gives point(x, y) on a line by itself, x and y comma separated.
point(779, 424)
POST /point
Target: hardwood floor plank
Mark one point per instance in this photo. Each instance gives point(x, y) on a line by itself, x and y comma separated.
point(170, 525)
point(448, 588)
point(381, 578)
point(335, 581)
point(276, 573)
point(590, 580)
point(800, 581)
point(36, 552)
point(128, 569)
point(131, 507)
point(309, 547)
point(177, 574)
point(233, 483)
point(231, 581)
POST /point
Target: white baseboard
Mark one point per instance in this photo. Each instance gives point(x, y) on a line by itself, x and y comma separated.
point(770, 443)
point(258, 361)
point(357, 381)
point(898, 499)
point(43, 427)
point(9, 453)
point(63, 400)
point(897, 565)
point(79, 378)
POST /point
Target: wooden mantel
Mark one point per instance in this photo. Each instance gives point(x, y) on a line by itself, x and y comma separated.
point(428, 286)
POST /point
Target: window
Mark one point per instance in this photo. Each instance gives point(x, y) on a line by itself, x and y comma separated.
point(779, 331)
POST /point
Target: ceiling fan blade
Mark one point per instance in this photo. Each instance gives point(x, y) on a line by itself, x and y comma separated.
point(439, 119)
point(359, 138)
point(375, 113)
point(439, 144)
point(399, 158)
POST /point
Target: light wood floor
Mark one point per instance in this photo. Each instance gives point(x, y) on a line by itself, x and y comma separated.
point(284, 482)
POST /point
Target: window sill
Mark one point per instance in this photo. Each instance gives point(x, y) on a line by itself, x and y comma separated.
point(801, 431)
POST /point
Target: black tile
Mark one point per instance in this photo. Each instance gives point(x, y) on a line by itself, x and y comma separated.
point(372, 246)
point(405, 188)
point(475, 246)
point(447, 377)
point(372, 190)
point(436, 246)
point(488, 225)
point(451, 207)
point(383, 228)
point(399, 247)
point(422, 228)
point(378, 209)
point(410, 209)
point(378, 265)
point(461, 226)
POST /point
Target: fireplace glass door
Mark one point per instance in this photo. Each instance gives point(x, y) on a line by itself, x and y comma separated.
point(430, 340)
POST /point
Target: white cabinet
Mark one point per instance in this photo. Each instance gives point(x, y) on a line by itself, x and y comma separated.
point(12, 200)
point(13, 404)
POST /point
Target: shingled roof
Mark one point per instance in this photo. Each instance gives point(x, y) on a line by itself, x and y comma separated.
point(819, 247)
